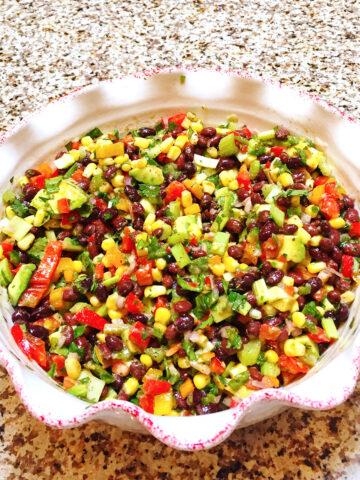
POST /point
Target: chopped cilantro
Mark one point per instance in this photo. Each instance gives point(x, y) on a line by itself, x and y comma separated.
point(172, 126)
point(52, 184)
point(149, 191)
point(19, 208)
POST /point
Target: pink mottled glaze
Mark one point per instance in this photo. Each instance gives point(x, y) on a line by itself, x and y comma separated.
point(317, 390)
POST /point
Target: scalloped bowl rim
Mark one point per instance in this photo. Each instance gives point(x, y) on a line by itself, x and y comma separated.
point(149, 421)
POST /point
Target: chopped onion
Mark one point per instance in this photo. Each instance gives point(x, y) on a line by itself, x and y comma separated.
point(201, 367)
point(132, 264)
point(192, 337)
point(305, 218)
point(247, 205)
point(120, 301)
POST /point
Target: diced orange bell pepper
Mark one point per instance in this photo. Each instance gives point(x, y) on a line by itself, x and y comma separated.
point(115, 257)
point(186, 388)
point(195, 188)
point(110, 150)
point(45, 170)
point(56, 298)
point(316, 194)
point(69, 382)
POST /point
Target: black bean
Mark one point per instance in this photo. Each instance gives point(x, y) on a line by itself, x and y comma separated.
point(189, 169)
point(206, 200)
point(207, 409)
point(108, 214)
point(256, 198)
point(266, 157)
point(315, 284)
point(146, 132)
point(83, 239)
point(226, 163)
point(132, 193)
point(342, 313)
point(138, 223)
point(101, 293)
point(242, 194)
point(352, 249)
point(105, 351)
point(124, 287)
point(176, 132)
point(138, 290)
point(182, 306)
point(299, 177)
point(86, 284)
point(32, 173)
point(348, 202)
point(298, 278)
point(208, 131)
point(326, 244)
point(294, 163)
point(342, 284)
point(180, 402)
point(138, 210)
point(312, 229)
point(29, 191)
point(38, 331)
point(171, 332)
point(242, 283)
point(267, 230)
point(284, 157)
point(189, 153)
point(70, 294)
point(20, 315)
point(289, 229)
point(198, 253)
point(110, 172)
point(84, 183)
point(335, 236)
point(352, 215)
point(202, 141)
point(253, 328)
point(275, 277)
point(235, 251)
point(325, 228)
point(337, 255)
point(281, 133)
point(214, 141)
point(119, 223)
point(68, 333)
point(334, 296)
point(264, 216)
point(234, 226)
point(42, 311)
point(284, 201)
point(184, 323)
point(137, 370)
point(318, 254)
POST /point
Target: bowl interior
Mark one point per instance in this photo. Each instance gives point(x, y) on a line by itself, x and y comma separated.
point(131, 102)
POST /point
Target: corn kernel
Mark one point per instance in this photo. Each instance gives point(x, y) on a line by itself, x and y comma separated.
point(209, 187)
point(24, 243)
point(163, 404)
point(39, 217)
point(72, 367)
point(146, 360)
point(119, 160)
point(312, 210)
point(162, 315)
point(183, 362)
point(186, 123)
point(243, 266)
point(237, 369)
point(227, 176)
point(141, 142)
point(197, 126)
point(160, 263)
point(106, 161)
point(86, 141)
point(347, 297)
point(186, 198)
point(285, 179)
point(316, 267)
point(292, 348)
point(78, 266)
point(94, 301)
point(180, 141)
point(1, 253)
point(174, 153)
point(68, 276)
point(126, 167)
point(160, 326)
point(121, 270)
point(234, 185)
point(289, 281)
point(212, 151)
point(271, 356)
point(9, 213)
point(111, 301)
point(337, 222)
point(201, 380)
point(315, 241)
point(113, 314)
point(140, 163)
point(194, 231)
point(156, 275)
point(231, 265)
point(118, 181)
point(101, 337)
point(193, 209)
point(192, 116)
point(131, 386)
point(166, 144)
point(218, 269)
point(89, 170)
point(150, 219)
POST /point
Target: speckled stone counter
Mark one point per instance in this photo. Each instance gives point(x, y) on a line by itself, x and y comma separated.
point(50, 48)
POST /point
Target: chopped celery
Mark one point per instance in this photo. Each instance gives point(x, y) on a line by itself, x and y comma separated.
point(111, 281)
point(220, 243)
point(250, 352)
point(266, 135)
point(207, 162)
point(277, 215)
point(261, 291)
point(180, 255)
point(270, 369)
point(254, 169)
point(330, 327)
point(227, 146)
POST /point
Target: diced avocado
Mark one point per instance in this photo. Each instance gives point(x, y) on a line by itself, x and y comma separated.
point(284, 304)
point(180, 255)
point(96, 182)
point(20, 282)
point(226, 198)
point(177, 238)
point(270, 369)
point(70, 246)
point(79, 390)
point(227, 146)
point(293, 249)
point(220, 221)
point(277, 215)
point(111, 394)
point(250, 352)
point(70, 190)
point(183, 223)
point(102, 310)
point(14, 257)
point(222, 310)
point(261, 291)
point(38, 201)
point(38, 248)
point(17, 228)
point(94, 385)
point(8, 196)
point(266, 135)
point(254, 169)
point(270, 191)
point(6, 275)
point(175, 209)
point(312, 350)
point(151, 175)
point(220, 243)
point(154, 151)
point(148, 206)
point(65, 161)
point(100, 371)
point(276, 293)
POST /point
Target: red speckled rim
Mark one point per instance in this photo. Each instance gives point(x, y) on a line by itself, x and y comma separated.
point(147, 420)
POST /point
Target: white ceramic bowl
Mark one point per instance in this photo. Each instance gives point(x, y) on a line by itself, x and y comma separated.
point(134, 101)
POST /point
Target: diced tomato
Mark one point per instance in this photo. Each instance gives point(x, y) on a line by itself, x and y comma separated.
point(292, 364)
point(160, 302)
point(319, 337)
point(347, 266)
point(269, 332)
point(178, 119)
point(99, 202)
point(267, 164)
point(269, 249)
point(156, 387)
point(59, 360)
point(329, 207)
point(244, 132)
point(174, 191)
point(78, 174)
point(69, 382)
point(139, 336)
point(99, 271)
point(243, 177)
point(144, 275)
point(55, 173)
point(76, 145)
point(63, 205)
point(193, 242)
point(320, 181)
point(15, 270)
point(147, 403)
point(32, 347)
point(320, 294)
point(330, 189)
point(277, 151)
point(88, 317)
point(289, 289)
point(127, 245)
point(38, 181)
point(133, 304)
point(208, 281)
point(243, 148)
point(216, 366)
point(355, 229)
point(7, 246)
point(128, 139)
point(70, 218)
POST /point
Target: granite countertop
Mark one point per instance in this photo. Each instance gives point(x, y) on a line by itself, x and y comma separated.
point(50, 48)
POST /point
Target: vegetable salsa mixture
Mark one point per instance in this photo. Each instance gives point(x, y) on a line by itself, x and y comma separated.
point(181, 267)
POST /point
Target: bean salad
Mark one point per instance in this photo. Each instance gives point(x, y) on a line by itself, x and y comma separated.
point(179, 266)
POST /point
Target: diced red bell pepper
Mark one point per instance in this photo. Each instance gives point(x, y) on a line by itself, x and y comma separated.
point(40, 281)
point(32, 347)
point(59, 360)
point(133, 304)
point(139, 336)
point(329, 207)
point(320, 181)
point(75, 145)
point(63, 205)
point(193, 242)
point(269, 332)
point(99, 271)
point(160, 302)
point(355, 229)
point(127, 245)
point(144, 275)
point(269, 249)
point(38, 181)
point(147, 403)
point(267, 164)
point(244, 132)
point(277, 151)
point(178, 119)
point(319, 337)
point(99, 202)
point(292, 364)
point(216, 366)
point(243, 148)
point(78, 174)
point(347, 266)
point(174, 191)
point(208, 281)
point(330, 189)
point(70, 218)
point(243, 177)
point(7, 246)
point(55, 173)
point(88, 317)
point(156, 387)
